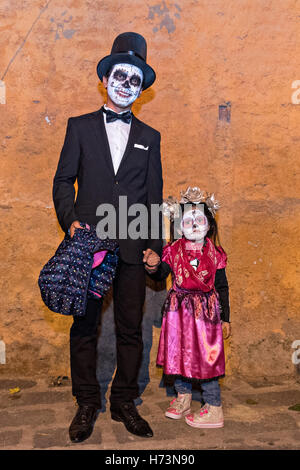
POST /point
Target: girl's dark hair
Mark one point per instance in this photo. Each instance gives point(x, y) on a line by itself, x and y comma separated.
point(212, 233)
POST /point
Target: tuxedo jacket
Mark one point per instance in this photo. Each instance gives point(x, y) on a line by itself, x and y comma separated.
point(86, 157)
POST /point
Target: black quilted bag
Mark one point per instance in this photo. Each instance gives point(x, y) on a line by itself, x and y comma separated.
point(66, 278)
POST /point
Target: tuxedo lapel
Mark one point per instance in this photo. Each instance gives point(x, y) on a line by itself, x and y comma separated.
point(133, 135)
point(100, 132)
point(102, 139)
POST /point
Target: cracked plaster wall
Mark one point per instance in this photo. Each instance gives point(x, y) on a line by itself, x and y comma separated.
point(206, 54)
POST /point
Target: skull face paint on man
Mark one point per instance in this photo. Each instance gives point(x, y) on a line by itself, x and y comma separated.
point(124, 84)
point(194, 225)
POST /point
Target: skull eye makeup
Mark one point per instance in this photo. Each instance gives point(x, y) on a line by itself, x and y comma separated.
point(194, 225)
point(120, 75)
point(124, 84)
point(188, 222)
point(200, 220)
point(135, 80)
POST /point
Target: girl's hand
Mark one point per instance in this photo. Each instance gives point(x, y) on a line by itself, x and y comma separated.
point(151, 260)
point(226, 329)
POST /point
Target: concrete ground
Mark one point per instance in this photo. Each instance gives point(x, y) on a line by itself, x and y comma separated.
point(257, 416)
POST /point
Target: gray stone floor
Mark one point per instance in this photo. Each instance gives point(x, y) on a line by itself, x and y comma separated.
point(257, 416)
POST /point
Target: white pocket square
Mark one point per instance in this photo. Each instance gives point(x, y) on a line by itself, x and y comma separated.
point(138, 146)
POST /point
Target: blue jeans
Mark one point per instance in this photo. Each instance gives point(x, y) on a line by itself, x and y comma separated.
point(210, 390)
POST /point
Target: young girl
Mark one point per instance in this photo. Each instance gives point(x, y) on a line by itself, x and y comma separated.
point(196, 309)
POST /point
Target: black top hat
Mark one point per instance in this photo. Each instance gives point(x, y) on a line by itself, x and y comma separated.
point(128, 48)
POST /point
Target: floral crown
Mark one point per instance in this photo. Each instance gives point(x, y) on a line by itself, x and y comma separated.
point(190, 196)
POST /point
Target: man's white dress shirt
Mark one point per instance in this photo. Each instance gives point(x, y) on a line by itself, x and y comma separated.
point(117, 134)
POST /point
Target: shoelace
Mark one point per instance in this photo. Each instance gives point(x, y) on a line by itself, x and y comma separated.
point(177, 403)
point(204, 410)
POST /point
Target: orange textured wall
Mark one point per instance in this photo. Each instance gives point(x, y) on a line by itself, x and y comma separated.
point(242, 54)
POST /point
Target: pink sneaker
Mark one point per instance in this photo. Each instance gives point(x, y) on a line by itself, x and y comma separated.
point(208, 417)
point(180, 406)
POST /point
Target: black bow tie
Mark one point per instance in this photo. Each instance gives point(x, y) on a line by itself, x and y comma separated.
point(111, 116)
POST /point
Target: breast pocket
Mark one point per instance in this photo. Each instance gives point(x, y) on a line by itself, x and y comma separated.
point(140, 156)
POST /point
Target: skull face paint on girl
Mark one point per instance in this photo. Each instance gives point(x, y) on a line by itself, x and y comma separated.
point(194, 225)
point(124, 84)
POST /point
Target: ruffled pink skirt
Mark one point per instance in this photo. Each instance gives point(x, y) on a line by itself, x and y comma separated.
point(191, 338)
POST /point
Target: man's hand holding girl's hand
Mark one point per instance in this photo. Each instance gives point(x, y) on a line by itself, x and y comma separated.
point(151, 260)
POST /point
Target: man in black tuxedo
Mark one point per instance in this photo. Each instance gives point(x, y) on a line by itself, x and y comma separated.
point(111, 154)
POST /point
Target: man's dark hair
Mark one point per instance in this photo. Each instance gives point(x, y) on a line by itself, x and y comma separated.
point(108, 72)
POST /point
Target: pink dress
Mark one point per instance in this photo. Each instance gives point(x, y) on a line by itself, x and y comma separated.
point(191, 338)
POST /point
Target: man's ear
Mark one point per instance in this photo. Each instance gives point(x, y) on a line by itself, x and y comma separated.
point(105, 81)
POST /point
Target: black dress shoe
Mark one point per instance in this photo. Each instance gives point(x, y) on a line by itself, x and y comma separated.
point(134, 423)
point(83, 423)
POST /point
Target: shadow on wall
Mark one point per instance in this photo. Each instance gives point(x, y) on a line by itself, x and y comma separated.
point(106, 349)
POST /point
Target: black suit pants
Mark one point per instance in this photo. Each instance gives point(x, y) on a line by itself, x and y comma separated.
point(129, 296)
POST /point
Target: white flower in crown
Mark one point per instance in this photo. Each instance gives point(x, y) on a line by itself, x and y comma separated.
point(196, 196)
point(192, 195)
point(171, 208)
point(212, 204)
